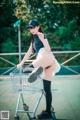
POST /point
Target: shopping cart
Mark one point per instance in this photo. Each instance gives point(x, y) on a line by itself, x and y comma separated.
point(20, 85)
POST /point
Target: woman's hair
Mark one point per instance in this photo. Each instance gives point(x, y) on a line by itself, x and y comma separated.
point(40, 29)
point(32, 36)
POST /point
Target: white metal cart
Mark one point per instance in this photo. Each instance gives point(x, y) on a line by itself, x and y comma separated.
point(19, 82)
point(20, 85)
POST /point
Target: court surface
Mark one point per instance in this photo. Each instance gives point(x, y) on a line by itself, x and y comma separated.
point(65, 91)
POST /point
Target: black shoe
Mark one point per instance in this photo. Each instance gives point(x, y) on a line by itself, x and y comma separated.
point(33, 76)
point(45, 115)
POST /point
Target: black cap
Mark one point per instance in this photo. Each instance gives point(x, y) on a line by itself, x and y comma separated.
point(33, 24)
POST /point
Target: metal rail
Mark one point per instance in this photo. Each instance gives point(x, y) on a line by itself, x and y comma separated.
point(57, 52)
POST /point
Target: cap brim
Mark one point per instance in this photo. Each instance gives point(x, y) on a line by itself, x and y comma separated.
point(30, 26)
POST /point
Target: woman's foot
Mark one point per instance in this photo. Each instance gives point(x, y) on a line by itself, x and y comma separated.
point(45, 115)
point(33, 76)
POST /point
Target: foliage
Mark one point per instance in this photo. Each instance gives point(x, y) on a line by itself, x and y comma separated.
point(7, 18)
point(8, 46)
point(60, 22)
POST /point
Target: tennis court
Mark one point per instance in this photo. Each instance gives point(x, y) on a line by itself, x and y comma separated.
point(65, 91)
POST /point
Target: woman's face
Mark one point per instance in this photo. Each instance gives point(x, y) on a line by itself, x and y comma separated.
point(34, 30)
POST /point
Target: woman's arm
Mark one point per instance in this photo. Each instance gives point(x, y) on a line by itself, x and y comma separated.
point(26, 57)
point(44, 41)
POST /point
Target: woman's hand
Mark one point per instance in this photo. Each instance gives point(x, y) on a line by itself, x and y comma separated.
point(19, 65)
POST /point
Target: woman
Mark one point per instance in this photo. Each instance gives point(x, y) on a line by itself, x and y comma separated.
point(45, 61)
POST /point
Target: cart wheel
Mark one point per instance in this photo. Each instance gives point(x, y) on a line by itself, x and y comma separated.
point(26, 107)
point(53, 116)
point(34, 118)
point(16, 117)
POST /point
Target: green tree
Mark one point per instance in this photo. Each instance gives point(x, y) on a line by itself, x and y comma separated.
point(61, 23)
point(7, 18)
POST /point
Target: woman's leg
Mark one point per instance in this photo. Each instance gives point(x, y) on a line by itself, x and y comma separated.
point(43, 60)
point(35, 73)
point(48, 72)
point(48, 95)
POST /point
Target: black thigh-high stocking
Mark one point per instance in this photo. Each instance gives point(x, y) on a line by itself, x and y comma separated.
point(48, 94)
